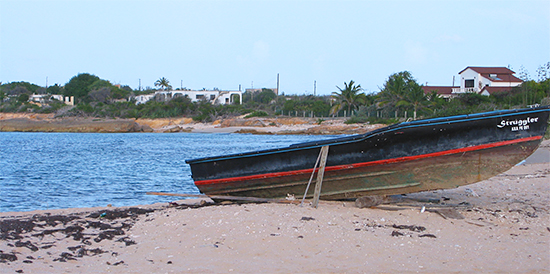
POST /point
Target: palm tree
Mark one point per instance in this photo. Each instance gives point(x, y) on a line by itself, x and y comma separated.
point(348, 97)
point(163, 83)
point(402, 91)
point(416, 98)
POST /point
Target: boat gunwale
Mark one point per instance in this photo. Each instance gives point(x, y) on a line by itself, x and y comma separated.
point(374, 133)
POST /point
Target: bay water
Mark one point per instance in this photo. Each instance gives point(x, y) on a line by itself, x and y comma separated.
point(65, 170)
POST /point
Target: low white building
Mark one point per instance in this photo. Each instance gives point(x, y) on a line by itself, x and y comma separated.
point(222, 97)
point(43, 98)
point(142, 99)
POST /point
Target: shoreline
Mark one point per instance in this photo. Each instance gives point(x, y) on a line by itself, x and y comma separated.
point(498, 225)
point(22, 122)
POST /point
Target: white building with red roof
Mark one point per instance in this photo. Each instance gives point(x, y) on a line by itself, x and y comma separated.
point(479, 80)
point(486, 80)
point(443, 91)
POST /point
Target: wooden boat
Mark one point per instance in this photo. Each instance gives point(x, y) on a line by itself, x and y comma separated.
point(408, 157)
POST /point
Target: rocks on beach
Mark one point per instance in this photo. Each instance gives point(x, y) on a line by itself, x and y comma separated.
point(48, 123)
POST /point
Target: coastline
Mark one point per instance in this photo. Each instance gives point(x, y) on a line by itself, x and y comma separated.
point(498, 225)
point(23, 122)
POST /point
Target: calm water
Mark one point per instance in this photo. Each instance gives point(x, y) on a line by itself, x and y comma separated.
point(62, 170)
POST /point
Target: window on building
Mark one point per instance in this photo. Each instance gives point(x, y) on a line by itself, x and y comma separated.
point(200, 96)
point(469, 83)
point(212, 96)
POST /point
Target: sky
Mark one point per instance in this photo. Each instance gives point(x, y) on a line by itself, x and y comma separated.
point(314, 46)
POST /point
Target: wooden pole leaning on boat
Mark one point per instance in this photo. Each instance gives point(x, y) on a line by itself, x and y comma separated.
point(320, 175)
point(311, 177)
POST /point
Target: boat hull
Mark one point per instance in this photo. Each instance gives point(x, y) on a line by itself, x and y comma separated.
point(403, 158)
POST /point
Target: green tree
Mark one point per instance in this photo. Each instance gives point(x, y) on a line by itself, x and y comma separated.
point(16, 88)
point(320, 108)
point(163, 83)
point(120, 93)
point(416, 98)
point(543, 72)
point(100, 95)
point(55, 89)
point(349, 97)
point(100, 83)
point(79, 86)
point(265, 96)
point(401, 91)
point(23, 98)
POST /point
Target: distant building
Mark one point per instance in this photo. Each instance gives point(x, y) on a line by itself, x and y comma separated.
point(44, 98)
point(479, 80)
point(254, 90)
point(486, 80)
point(222, 97)
point(443, 91)
point(38, 98)
point(142, 99)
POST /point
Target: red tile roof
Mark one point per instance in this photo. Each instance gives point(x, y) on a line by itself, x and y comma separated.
point(490, 70)
point(493, 90)
point(439, 89)
point(502, 78)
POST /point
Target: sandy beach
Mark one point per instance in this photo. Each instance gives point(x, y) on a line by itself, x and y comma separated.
point(501, 225)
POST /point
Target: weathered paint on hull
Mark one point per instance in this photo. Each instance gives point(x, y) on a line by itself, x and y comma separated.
point(408, 157)
point(441, 172)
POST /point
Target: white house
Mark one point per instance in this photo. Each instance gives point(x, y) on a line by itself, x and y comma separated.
point(213, 96)
point(42, 98)
point(142, 99)
point(486, 80)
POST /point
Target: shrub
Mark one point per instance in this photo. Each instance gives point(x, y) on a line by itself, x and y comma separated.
point(257, 113)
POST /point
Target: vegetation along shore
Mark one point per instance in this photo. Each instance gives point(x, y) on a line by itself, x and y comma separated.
point(87, 103)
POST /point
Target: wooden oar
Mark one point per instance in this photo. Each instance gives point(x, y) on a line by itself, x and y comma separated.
point(231, 198)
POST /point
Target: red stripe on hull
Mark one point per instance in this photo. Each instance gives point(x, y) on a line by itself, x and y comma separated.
point(366, 164)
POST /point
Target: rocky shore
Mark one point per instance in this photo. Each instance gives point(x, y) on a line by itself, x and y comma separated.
point(48, 123)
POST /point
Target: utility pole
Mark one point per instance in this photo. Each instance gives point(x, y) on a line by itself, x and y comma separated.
point(314, 87)
point(277, 83)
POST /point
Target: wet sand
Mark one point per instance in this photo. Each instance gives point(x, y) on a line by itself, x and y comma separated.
point(500, 225)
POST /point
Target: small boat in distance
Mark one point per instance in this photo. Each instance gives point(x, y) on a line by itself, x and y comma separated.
point(408, 157)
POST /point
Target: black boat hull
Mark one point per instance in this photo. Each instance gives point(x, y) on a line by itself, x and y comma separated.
point(403, 158)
